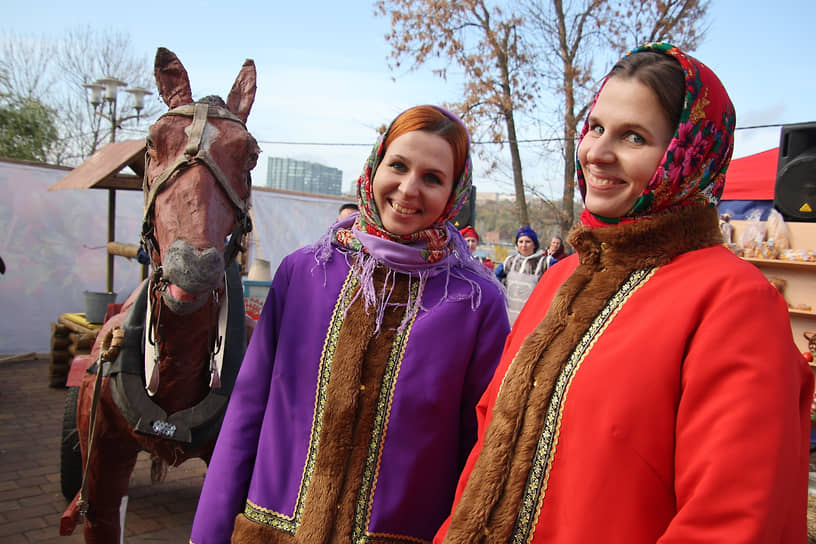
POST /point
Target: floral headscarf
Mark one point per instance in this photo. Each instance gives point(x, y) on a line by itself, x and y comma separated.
point(438, 249)
point(434, 241)
point(693, 169)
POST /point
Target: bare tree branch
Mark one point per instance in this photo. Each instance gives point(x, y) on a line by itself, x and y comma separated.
point(485, 42)
point(52, 73)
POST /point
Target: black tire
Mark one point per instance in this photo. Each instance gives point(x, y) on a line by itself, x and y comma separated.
point(70, 455)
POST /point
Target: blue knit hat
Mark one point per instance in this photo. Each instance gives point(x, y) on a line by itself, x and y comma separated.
point(529, 233)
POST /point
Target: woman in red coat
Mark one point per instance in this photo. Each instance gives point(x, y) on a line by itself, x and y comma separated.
point(650, 390)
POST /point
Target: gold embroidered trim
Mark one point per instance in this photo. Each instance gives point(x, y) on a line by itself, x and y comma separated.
point(382, 414)
point(362, 515)
point(536, 487)
point(383, 538)
point(282, 522)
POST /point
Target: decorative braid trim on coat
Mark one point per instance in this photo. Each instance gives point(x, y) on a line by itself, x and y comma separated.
point(490, 503)
point(339, 485)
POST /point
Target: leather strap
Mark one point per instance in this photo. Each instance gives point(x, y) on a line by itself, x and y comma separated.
point(193, 154)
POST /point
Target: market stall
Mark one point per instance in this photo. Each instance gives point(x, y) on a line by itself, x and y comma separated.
point(749, 184)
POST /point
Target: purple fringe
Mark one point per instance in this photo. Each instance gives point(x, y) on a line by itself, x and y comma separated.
point(456, 265)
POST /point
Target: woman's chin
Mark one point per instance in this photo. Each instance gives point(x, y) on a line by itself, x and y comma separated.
point(403, 226)
point(605, 209)
point(608, 204)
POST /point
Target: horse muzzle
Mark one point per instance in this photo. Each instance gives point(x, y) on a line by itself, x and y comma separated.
point(191, 274)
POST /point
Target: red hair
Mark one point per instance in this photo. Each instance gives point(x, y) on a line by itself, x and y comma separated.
point(432, 119)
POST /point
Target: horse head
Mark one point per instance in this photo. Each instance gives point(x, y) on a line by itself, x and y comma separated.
point(197, 184)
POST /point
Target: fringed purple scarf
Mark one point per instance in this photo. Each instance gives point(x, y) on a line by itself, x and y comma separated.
point(439, 249)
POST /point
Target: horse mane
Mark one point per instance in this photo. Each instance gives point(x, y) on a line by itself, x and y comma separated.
point(213, 100)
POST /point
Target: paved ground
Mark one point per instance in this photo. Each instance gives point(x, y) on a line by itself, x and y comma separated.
point(30, 500)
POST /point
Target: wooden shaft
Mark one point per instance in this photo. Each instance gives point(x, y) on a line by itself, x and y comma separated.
point(124, 250)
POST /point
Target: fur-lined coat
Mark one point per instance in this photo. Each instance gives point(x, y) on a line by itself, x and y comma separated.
point(601, 425)
point(337, 433)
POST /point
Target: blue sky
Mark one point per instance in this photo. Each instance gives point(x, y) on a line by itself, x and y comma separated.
point(323, 77)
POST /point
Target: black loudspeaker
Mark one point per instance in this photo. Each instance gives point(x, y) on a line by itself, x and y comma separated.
point(795, 189)
point(467, 215)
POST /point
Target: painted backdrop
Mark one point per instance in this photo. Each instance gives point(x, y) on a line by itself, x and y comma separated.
point(54, 245)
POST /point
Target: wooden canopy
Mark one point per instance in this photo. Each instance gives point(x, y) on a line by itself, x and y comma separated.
point(103, 169)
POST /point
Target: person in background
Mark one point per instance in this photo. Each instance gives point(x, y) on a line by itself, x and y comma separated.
point(346, 210)
point(655, 392)
point(353, 412)
point(521, 271)
point(556, 251)
point(472, 238)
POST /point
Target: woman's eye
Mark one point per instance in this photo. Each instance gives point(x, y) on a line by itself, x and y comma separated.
point(635, 138)
point(433, 179)
point(398, 165)
point(597, 129)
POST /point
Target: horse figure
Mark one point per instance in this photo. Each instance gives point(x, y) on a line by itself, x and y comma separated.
point(182, 331)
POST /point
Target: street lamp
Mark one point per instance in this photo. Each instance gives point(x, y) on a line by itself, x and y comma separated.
point(107, 90)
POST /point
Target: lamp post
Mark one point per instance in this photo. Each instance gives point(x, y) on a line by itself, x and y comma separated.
point(107, 90)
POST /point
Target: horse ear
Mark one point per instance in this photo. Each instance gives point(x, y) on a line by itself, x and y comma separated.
point(242, 95)
point(172, 79)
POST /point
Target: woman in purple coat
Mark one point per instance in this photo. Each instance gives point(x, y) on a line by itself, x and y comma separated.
point(353, 412)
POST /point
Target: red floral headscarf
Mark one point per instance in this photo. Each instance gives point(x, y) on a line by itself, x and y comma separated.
point(693, 169)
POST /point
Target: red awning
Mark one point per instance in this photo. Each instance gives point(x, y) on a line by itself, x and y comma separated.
point(752, 177)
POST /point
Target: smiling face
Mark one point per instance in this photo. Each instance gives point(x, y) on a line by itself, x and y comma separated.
point(414, 181)
point(525, 246)
point(628, 135)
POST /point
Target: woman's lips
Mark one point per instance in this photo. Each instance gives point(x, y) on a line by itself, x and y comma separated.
point(602, 182)
point(402, 209)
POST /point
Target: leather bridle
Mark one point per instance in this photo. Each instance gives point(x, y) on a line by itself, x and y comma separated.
point(195, 154)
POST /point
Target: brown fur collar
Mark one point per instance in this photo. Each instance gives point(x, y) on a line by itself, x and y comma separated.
point(489, 505)
point(351, 401)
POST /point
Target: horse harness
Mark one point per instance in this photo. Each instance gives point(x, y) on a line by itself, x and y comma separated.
point(130, 386)
point(194, 426)
point(195, 154)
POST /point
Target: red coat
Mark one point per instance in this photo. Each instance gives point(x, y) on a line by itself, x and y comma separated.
point(690, 426)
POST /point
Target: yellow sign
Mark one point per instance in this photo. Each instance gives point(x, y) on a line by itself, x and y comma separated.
point(805, 208)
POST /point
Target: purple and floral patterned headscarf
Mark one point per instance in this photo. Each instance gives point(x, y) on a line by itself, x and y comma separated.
point(438, 249)
point(693, 168)
point(433, 242)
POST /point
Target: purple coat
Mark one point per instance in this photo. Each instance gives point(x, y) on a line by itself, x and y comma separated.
point(449, 355)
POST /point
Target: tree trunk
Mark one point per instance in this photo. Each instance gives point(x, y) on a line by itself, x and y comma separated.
point(518, 179)
point(568, 202)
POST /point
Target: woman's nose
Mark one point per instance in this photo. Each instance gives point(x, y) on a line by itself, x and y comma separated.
point(600, 150)
point(410, 184)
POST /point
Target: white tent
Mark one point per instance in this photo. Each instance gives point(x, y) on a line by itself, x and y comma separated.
point(54, 245)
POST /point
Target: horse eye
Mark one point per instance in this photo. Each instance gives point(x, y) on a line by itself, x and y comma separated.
point(252, 160)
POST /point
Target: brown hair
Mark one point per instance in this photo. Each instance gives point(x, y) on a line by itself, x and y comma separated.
point(662, 74)
point(434, 120)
